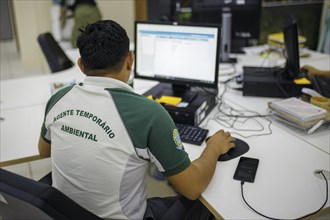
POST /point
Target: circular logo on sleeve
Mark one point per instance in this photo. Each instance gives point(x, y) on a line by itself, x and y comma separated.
point(177, 139)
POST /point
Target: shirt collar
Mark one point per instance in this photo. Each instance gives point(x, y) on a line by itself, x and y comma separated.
point(106, 82)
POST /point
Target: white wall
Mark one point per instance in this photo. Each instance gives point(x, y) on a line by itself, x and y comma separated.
point(121, 11)
point(33, 17)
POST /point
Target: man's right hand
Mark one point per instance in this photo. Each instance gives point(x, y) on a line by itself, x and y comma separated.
point(221, 142)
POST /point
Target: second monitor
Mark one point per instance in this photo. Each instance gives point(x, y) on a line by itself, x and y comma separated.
point(245, 19)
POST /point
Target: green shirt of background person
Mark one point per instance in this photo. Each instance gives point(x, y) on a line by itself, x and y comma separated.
point(84, 12)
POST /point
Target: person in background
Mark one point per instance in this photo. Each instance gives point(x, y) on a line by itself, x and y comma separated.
point(102, 137)
point(55, 14)
point(84, 12)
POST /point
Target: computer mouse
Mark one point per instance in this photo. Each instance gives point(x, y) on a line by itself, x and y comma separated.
point(241, 148)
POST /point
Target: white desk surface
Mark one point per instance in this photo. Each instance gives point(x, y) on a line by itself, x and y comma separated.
point(286, 161)
point(22, 92)
point(20, 131)
point(320, 138)
point(285, 186)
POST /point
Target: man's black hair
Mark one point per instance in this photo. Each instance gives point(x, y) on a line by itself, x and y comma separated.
point(103, 47)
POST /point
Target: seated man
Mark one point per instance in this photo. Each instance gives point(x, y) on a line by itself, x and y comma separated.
point(102, 137)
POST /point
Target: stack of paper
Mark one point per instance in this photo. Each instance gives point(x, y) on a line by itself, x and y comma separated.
point(297, 111)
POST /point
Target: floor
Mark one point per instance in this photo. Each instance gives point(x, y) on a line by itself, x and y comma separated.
point(11, 67)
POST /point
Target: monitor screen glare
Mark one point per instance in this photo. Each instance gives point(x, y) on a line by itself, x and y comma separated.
point(179, 54)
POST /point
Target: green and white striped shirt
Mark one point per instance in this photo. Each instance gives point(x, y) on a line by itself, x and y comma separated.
point(103, 137)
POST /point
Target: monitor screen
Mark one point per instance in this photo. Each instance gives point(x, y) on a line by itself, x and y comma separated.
point(180, 54)
point(290, 32)
point(245, 18)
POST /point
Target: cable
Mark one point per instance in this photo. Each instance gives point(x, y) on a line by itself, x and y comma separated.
point(259, 213)
point(220, 99)
point(229, 117)
point(231, 122)
point(255, 135)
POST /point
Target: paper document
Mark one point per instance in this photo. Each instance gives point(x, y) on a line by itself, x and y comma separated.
point(299, 109)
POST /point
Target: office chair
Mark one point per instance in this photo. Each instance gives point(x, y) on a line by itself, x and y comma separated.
point(23, 198)
point(55, 56)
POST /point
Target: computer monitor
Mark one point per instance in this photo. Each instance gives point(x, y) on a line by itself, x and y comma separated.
point(245, 18)
point(290, 31)
point(160, 10)
point(183, 55)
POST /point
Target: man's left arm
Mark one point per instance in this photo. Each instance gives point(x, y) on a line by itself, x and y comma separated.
point(44, 148)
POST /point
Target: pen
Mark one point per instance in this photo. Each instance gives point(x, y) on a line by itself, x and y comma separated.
point(316, 126)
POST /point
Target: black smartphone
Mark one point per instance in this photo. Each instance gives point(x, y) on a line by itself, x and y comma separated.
point(246, 169)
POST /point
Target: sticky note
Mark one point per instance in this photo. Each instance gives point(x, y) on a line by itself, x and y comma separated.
point(169, 100)
point(302, 81)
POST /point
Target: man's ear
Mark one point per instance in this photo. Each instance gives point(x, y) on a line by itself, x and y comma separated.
point(81, 65)
point(130, 60)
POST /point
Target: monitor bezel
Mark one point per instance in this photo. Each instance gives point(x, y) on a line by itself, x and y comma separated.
point(177, 81)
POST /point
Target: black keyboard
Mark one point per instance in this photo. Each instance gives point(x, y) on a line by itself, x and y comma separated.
point(192, 134)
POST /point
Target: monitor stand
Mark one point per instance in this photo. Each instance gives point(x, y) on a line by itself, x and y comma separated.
point(226, 36)
point(225, 47)
point(182, 91)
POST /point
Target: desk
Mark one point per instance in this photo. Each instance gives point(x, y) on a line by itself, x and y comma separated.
point(29, 91)
point(19, 132)
point(320, 139)
point(23, 102)
point(285, 186)
point(284, 178)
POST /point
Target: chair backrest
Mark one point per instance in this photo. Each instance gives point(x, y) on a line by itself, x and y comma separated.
point(55, 56)
point(23, 198)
